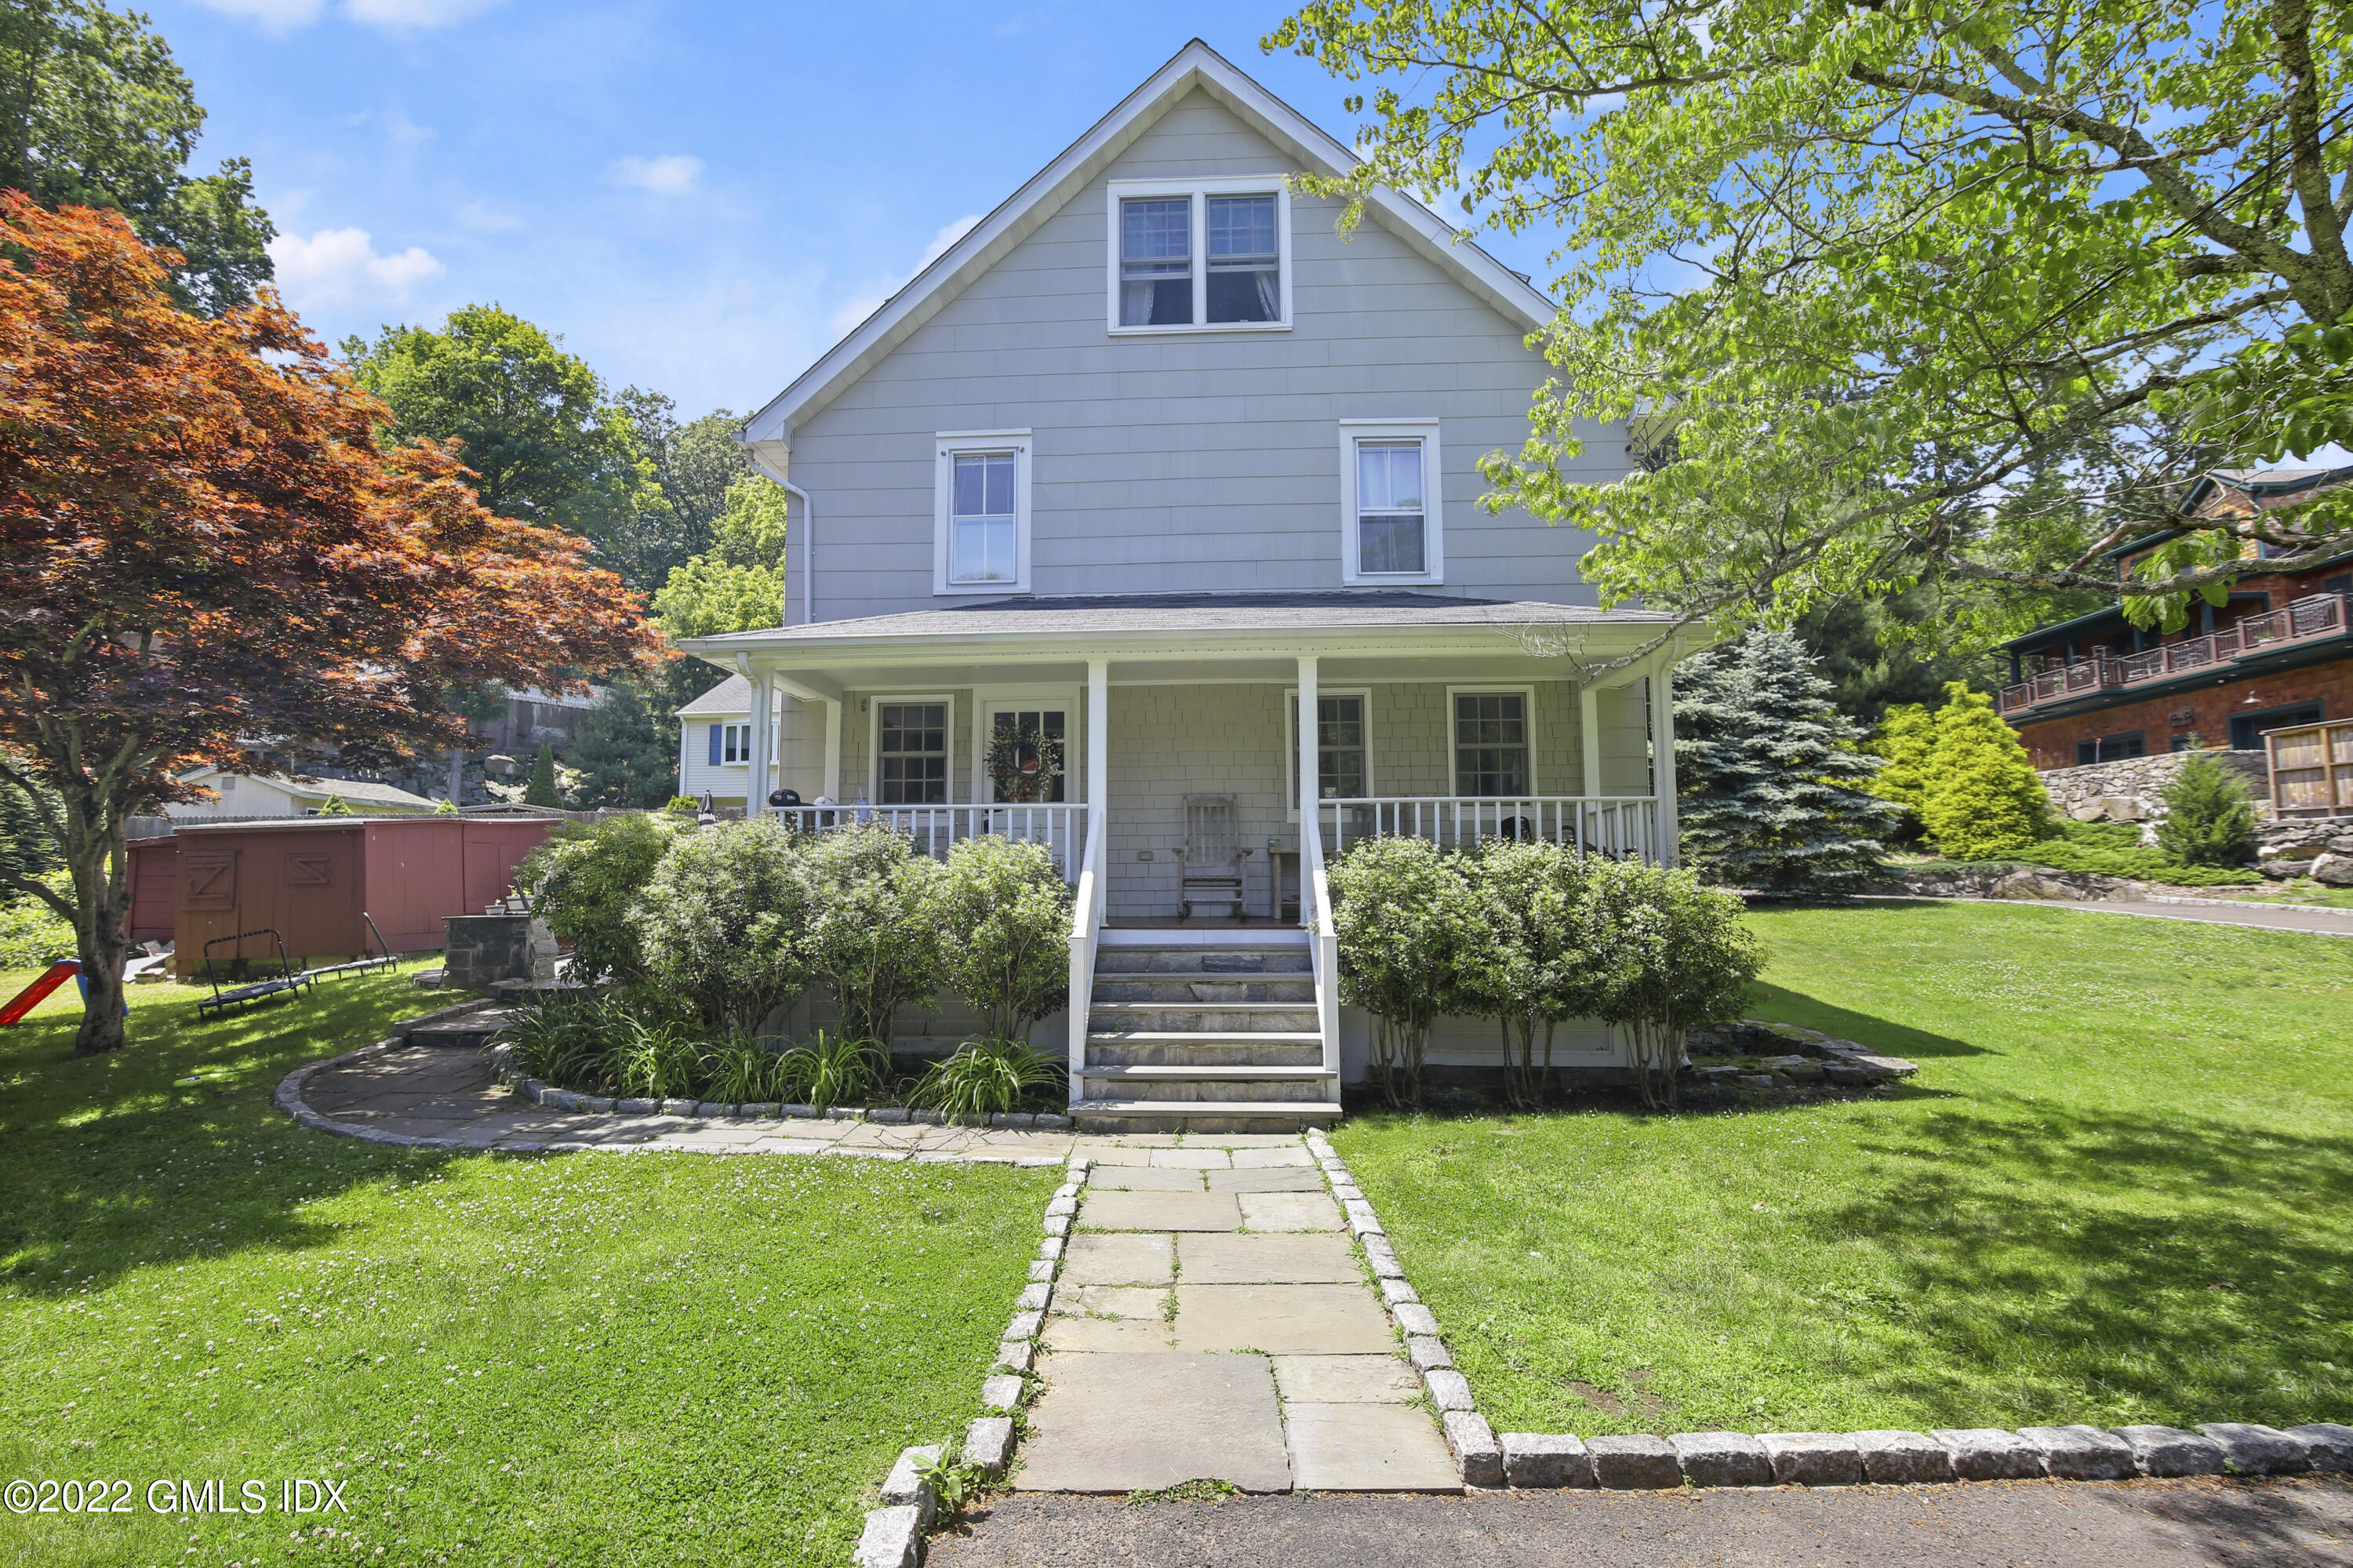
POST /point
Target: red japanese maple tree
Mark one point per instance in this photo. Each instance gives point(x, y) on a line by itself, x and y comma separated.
point(203, 544)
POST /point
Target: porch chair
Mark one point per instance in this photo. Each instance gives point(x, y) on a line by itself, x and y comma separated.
point(1211, 859)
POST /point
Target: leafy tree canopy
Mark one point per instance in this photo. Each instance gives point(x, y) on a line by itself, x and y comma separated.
point(694, 466)
point(531, 420)
point(202, 540)
point(95, 112)
point(1858, 272)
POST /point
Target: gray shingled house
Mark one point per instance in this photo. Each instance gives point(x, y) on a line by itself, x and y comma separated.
point(1153, 461)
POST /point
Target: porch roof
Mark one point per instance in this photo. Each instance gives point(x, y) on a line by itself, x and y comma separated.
point(1086, 614)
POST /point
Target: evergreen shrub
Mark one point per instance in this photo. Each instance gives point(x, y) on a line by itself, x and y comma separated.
point(1984, 798)
point(721, 923)
point(2210, 818)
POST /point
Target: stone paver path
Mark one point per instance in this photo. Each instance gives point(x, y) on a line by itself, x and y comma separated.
point(432, 1092)
point(1213, 1321)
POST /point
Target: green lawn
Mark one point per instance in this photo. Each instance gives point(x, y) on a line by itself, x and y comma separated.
point(526, 1360)
point(2120, 1190)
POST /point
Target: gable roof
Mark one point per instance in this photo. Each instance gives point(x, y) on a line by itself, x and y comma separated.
point(732, 696)
point(355, 792)
point(1196, 65)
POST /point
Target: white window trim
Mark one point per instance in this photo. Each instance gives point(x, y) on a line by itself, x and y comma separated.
point(1074, 748)
point(1433, 480)
point(1290, 742)
point(1200, 191)
point(875, 702)
point(735, 738)
point(1487, 688)
point(946, 445)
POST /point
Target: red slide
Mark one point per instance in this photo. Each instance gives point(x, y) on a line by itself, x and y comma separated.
point(55, 975)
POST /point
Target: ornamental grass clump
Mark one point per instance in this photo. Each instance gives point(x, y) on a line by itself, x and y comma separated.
point(1532, 960)
point(1002, 912)
point(568, 1039)
point(832, 1069)
point(1403, 912)
point(722, 921)
point(987, 1077)
point(864, 891)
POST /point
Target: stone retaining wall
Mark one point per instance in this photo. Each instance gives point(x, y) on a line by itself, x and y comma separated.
point(2131, 789)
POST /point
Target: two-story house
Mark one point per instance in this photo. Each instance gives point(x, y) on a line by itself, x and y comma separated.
point(2278, 652)
point(1159, 462)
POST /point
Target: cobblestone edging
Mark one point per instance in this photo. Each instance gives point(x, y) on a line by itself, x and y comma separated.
point(554, 1098)
point(893, 1534)
point(1531, 1460)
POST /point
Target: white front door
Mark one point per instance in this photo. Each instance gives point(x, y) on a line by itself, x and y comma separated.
point(1024, 721)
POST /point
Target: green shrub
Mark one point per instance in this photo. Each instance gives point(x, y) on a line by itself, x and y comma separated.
point(1984, 797)
point(2140, 864)
point(542, 789)
point(33, 935)
point(988, 1077)
point(831, 1070)
point(334, 805)
point(1676, 956)
point(720, 921)
point(681, 806)
point(1533, 960)
point(1903, 742)
point(2210, 819)
point(1403, 913)
point(1001, 914)
point(587, 876)
point(864, 890)
point(2101, 835)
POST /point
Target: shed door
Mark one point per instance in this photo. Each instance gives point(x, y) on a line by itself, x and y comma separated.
point(491, 859)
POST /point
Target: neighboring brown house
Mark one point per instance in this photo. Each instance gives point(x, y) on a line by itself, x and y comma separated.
point(2095, 688)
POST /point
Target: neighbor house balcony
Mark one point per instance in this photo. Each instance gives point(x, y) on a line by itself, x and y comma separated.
point(2306, 623)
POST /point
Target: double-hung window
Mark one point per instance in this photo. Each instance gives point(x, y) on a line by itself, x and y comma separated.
point(1491, 743)
point(982, 530)
point(734, 743)
point(1391, 516)
point(1191, 256)
point(1342, 747)
point(910, 754)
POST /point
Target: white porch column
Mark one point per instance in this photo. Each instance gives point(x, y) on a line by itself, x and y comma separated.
point(1311, 788)
point(832, 777)
point(1662, 763)
point(1099, 746)
point(760, 738)
point(1589, 737)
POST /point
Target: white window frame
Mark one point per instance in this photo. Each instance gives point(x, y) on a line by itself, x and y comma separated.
point(735, 745)
point(1527, 694)
point(946, 445)
point(1433, 483)
point(1290, 742)
point(875, 703)
point(1199, 191)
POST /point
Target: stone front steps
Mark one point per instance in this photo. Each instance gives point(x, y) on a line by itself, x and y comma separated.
point(1204, 1032)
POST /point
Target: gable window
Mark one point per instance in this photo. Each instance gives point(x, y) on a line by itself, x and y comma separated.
point(982, 530)
point(1491, 743)
point(1197, 255)
point(1390, 522)
point(911, 753)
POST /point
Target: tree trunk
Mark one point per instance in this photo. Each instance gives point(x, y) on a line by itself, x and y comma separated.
point(101, 920)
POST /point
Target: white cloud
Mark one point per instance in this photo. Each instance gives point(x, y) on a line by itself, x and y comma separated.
point(866, 302)
point(402, 131)
point(271, 16)
point(672, 174)
point(338, 266)
point(489, 218)
point(399, 16)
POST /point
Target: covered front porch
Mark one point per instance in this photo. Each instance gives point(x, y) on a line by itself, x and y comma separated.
point(1186, 793)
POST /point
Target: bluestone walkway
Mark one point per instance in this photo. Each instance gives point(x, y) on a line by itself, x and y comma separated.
point(1213, 1321)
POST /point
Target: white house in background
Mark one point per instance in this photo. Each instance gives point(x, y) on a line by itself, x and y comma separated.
point(280, 795)
point(1153, 460)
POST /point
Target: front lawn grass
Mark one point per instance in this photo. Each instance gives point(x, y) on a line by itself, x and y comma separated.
point(502, 1358)
point(2120, 1190)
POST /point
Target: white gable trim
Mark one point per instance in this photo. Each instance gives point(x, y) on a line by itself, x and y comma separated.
point(1021, 214)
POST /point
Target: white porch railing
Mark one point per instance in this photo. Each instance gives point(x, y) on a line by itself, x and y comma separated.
point(1620, 826)
point(1062, 828)
point(1086, 929)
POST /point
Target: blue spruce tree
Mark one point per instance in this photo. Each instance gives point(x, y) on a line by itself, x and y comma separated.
point(1771, 784)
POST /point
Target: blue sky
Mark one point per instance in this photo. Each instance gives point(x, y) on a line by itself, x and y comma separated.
point(699, 198)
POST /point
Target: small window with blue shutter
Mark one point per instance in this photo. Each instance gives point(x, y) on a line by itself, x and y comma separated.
point(715, 741)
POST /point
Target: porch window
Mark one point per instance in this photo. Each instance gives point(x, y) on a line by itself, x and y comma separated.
point(911, 752)
point(1340, 747)
point(982, 521)
point(1390, 523)
point(1491, 743)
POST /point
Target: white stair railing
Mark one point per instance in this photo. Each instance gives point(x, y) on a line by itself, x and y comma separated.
point(1324, 946)
point(1086, 929)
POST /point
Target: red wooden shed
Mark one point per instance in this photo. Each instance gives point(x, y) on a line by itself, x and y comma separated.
point(312, 880)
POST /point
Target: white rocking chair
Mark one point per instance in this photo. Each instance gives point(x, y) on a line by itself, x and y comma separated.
point(1211, 858)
